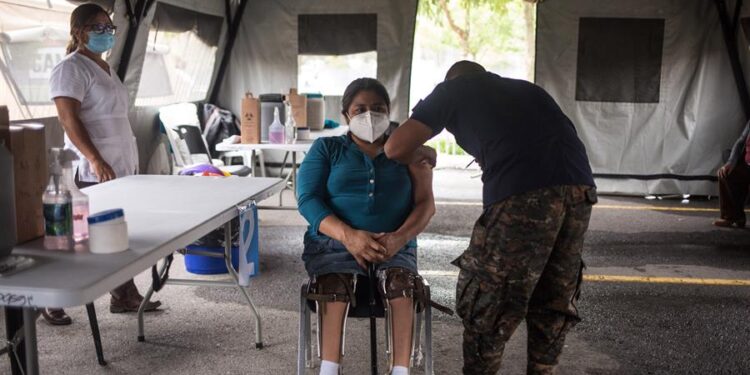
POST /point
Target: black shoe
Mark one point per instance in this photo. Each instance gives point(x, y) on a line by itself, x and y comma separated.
point(56, 317)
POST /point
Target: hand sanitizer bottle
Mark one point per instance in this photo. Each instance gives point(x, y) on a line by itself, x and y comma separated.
point(276, 130)
point(57, 207)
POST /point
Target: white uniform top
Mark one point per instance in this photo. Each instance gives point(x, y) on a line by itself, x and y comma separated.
point(104, 113)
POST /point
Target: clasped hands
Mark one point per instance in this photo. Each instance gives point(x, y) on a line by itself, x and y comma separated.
point(367, 247)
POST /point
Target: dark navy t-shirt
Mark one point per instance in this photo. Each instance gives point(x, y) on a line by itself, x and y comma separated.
point(514, 129)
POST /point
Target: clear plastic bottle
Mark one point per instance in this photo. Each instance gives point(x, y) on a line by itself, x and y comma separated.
point(291, 125)
point(276, 131)
point(80, 200)
point(57, 208)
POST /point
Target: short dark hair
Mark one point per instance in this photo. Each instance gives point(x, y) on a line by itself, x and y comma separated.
point(363, 84)
point(463, 67)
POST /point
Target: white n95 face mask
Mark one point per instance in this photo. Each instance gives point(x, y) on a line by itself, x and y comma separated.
point(369, 126)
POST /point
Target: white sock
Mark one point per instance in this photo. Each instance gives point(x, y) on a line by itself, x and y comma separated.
point(400, 370)
point(329, 368)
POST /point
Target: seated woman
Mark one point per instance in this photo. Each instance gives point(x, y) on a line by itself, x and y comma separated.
point(363, 209)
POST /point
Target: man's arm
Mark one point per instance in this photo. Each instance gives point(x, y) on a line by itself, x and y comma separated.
point(405, 144)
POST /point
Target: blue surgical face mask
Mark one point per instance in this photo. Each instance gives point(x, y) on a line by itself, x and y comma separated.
point(100, 43)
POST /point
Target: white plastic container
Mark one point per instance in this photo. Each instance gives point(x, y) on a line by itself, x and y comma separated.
point(108, 232)
point(303, 134)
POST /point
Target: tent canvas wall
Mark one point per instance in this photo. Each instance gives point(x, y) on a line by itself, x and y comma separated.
point(163, 62)
point(649, 86)
point(265, 56)
point(647, 82)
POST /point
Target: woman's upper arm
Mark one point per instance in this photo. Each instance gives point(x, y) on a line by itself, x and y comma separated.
point(67, 107)
point(69, 80)
point(421, 181)
point(311, 183)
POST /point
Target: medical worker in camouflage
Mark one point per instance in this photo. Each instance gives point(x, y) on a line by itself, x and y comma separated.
point(524, 259)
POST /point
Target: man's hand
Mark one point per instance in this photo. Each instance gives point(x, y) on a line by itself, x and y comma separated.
point(364, 247)
point(392, 242)
point(724, 171)
point(102, 170)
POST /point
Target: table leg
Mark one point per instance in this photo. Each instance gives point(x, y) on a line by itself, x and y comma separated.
point(91, 311)
point(281, 173)
point(146, 299)
point(252, 163)
point(230, 268)
point(29, 331)
point(13, 324)
point(294, 174)
point(262, 163)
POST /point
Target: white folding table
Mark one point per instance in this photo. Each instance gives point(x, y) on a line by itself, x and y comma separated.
point(164, 213)
point(250, 150)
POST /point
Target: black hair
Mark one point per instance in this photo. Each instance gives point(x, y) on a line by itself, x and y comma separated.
point(463, 67)
point(363, 84)
point(81, 16)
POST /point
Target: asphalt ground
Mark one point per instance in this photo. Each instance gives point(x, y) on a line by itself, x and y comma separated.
point(665, 293)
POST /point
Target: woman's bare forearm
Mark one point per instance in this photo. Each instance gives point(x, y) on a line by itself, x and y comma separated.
point(333, 227)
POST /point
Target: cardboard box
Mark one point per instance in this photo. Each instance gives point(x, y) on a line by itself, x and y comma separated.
point(299, 107)
point(250, 119)
point(27, 144)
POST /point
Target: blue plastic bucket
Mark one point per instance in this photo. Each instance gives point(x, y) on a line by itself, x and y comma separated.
point(203, 265)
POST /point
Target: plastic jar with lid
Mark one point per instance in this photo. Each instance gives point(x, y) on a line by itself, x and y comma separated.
point(108, 232)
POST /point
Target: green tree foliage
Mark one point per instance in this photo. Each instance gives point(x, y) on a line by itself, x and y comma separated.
point(495, 30)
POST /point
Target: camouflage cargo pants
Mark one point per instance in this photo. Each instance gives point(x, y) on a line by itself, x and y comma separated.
point(524, 262)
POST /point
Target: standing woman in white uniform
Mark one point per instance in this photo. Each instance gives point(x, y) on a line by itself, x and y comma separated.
point(92, 105)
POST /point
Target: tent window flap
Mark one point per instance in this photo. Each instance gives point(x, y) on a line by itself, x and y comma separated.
point(619, 60)
point(174, 19)
point(337, 34)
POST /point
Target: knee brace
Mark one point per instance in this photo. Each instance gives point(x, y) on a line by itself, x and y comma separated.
point(401, 282)
point(332, 287)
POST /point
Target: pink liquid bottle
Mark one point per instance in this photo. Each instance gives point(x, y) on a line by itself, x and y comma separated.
point(80, 201)
point(276, 131)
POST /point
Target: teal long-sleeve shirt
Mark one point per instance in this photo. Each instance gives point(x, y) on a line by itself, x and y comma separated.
point(337, 178)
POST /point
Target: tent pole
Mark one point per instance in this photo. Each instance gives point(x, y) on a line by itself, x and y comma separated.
point(228, 10)
point(234, 28)
point(730, 38)
point(736, 19)
point(127, 50)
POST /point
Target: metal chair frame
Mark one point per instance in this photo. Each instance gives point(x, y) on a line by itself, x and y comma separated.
point(421, 354)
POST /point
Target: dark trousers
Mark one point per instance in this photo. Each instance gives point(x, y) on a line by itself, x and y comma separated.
point(733, 191)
